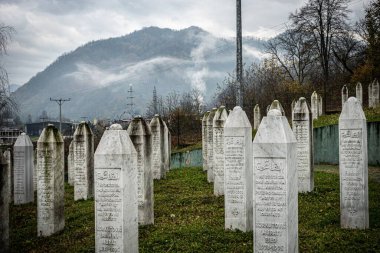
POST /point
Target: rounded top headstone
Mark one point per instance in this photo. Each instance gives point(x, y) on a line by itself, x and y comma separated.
point(214, 108)
point(274, 112)
point(116, 127)
point(222, 107)
point(82, 122)
point(50, 124)
point(23, 134)
point(156, 115)
point(352, 109)
point(237, 108)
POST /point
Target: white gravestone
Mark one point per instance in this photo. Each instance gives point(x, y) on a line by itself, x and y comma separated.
point(303, 131)
point(292, 105)
point(116, 209)
point(170, 148)
point(375, 93)
point(23, 170)
point(353, 166)
point(158, 153)
point(50, 182)
point(277, 105)
point(238, 171)
point(370, 102)
point(314, 105)
point(268, 108)
point(359, 93)
point(256, 117)
point(70, 164)
point(83, 148)
point(275, 194)
point(141, 137)
point(166, 147)
point(344, 94)
point(210, 146)
point(204, 140)
point(8, 159)
point(320, 105)
point(35, 169)
point(218, 152)
point(4, 203)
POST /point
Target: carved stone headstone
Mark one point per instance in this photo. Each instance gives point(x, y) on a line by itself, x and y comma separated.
point(256, 117)
point(268, 108)
point(204, 140)
point(344, 95)
point(83, 148)
point(141, 137)
point(359, 93)
point(8, 160)
point(170, 148)
point(320, 105)
point(314, 105)
point(370, 95)
point(353, 166)
point(292, 105)
point(166, 147)
point(158, 150)
point(238, 171)
point(35, 169)
point(4, 203)
point(275, 219)
point(70, 164)
point(375, 93)
point(277, 105)
point(218, 152)
point(116, 211)
point(23, 170)
point(50, 182)
point(303, 131)
point(210, 146)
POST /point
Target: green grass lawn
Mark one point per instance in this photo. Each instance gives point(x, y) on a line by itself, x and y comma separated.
point(188, 218)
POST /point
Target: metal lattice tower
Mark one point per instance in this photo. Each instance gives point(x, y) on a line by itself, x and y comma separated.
point(155, 100)
point(239, 56)
point(130, 98)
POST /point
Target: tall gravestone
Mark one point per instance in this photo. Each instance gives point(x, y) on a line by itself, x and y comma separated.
point(359, 93)
point(204, 140)
point(256, 117)
point(353, 166)
point(275, 208)
point(210, 146)
point(293, 104)
point(268, 108)
point(277, 105)
point(238, 171)
point(70, 164)
point(83, 148)
point(370, 95)
point(218, 144)
point(35, 169)
point(23, 170)
point(166, 147)
point(4, 203)
point(116, 208)
point(314, 105)
point(170, 148)
point(141, 137)
point(303, 131)
point(320, 105)
point(8, 159)
point(50, 182)
point(344, 95)
point(158, 150)
point(375, 93)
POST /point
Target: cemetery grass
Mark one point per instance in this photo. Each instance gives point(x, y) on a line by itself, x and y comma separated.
point(188, 218)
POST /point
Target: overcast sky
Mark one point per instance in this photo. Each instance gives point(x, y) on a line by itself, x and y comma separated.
point(47, 28)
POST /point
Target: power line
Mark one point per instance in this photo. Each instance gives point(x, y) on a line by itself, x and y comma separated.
point(60, 102)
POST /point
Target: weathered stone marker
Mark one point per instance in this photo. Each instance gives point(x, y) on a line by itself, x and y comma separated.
point(166, 147)
point(4, 203)
point(370, 95)
point(238, 171)
point(359, 93)
point(314, 105)
point(353, 166)
point(344, 95)
point(292, 105)
point(218, 143)
point(375, 93)
point(204, 140)
point(256, 117)
point(158, 153)
point(268, 108)
point(275, 219)
point(70, 164)
point(141, 137)
point(35, 169)
point(210, 146)
point(277, 105)
point(8, 162)
point(23, 170)
point(320, 105)
point(83, 162)
point(303, 131)
point(116, 211)
point(50, 182)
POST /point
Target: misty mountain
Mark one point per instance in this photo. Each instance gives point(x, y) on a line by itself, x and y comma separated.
point(97, 75)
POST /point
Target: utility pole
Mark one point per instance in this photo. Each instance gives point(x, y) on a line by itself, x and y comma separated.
point(60, 101)
point(130, 98)
point(239, 56)
point(155, 100)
